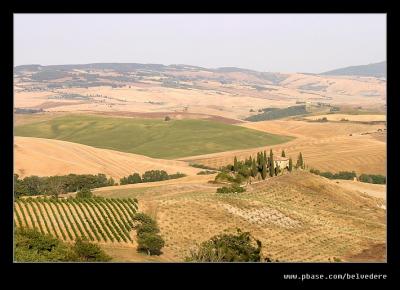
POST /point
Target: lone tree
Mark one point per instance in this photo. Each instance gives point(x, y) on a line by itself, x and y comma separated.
point(271, 163)
point(290, 164)
point(167, 118)
point(283, 153)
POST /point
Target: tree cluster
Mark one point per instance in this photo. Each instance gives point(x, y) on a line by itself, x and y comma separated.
point(148, 237)
point(33, 246)
point(262, 165)
point(239, 247)
point(347, 175)
point(150, 176)
point(56, 185)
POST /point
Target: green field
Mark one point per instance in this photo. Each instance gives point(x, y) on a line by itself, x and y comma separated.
point(151, 137)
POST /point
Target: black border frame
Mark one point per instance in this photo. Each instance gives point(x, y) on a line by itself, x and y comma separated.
point(201, 273)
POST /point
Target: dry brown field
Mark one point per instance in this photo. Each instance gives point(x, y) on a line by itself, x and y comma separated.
point(45, 157)
point(325, 146)
point(298, 217)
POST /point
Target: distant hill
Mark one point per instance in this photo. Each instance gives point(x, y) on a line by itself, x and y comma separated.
point(372, 70)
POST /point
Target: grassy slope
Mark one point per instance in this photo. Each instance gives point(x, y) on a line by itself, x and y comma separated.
point(150, 137)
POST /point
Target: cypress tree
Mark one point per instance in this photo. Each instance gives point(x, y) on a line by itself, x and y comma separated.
point(271, 163)
point(283, 153)
point(300, 161)
point(264, 170)
point(235, 164)
point(290, 164)
point(265, 155)
point(254, 170)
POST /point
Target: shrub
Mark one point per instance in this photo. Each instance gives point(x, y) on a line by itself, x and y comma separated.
point(231, 189)
point(241, 247)
point(372, 178)
point(176, 175)
point(32, 246)
point(347, 175)
point(206, 172)
point(150, 243)
point(84, 193)
point(154, 175)
point(224, 176)
point(89, 252)
point(201, 166)
point(131, 179)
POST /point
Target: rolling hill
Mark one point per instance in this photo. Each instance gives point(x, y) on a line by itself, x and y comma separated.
point(298, 217)
point(372, 70)
point(47, 157)
point(151, 137)
point(328, 146)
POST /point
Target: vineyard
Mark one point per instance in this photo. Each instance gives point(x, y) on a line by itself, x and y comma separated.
point(95, 219)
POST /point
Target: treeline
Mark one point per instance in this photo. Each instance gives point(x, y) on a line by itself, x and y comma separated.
point(347, 175)
point(150, 176)
point(27, 111)
point(201, 166)
point(148, 235)
point(372, 178)
point(56, 185)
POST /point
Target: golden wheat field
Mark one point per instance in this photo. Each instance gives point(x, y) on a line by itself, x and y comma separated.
point(46, 157)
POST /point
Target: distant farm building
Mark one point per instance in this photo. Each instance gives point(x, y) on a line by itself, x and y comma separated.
point(282, 162)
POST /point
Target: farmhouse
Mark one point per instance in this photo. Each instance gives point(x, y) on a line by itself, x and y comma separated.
point(282, 162)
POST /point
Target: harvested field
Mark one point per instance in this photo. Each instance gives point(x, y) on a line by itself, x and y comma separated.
point(356, 118)
point(321, 218)
point(45, 157)
point(325, 146)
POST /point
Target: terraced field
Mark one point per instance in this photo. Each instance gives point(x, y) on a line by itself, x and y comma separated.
point(320, 218)
point(150, 137)
point(106, 221)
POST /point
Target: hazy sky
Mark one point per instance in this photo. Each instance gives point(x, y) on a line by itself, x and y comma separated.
point(265, 42)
